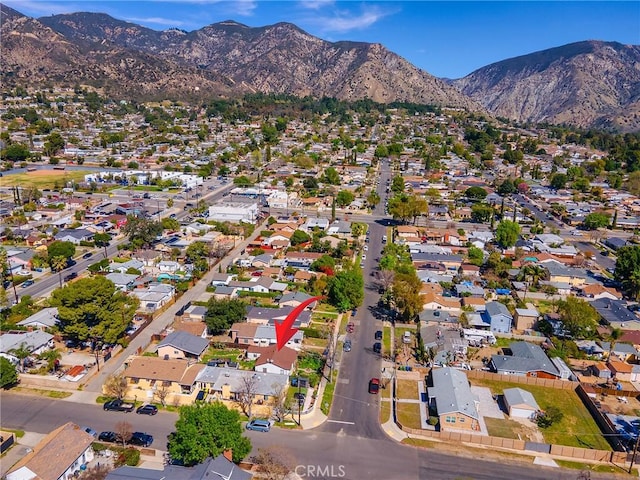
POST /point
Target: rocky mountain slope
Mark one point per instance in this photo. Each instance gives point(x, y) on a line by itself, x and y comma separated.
point(279, 58)
point(587, 83)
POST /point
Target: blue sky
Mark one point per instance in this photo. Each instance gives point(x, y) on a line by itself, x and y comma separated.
point(447, 39)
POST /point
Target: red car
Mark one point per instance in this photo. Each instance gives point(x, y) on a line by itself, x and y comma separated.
point(351, 327)
point(374, 385)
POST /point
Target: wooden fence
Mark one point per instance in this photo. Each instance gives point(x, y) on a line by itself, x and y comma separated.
point(541, 382)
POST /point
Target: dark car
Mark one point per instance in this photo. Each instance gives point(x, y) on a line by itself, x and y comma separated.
point(346, 346)
point(140, 439)
point(108, 437)
point(71, 276)
point(378, 335)
point(147, 410)
point(27, 283)
point(374, 385)
point(377, 347)
point(300, 397)
point(87, 255)
point(118, 406)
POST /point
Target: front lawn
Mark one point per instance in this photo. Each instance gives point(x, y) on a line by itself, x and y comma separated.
point(408, 414)
point(504, 428)
point(576, 429)
point(407, 389)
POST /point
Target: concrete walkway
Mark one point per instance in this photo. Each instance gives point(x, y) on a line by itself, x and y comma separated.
point(23, 446)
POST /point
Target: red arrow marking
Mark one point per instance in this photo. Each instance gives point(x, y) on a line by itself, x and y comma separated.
point(284, 329)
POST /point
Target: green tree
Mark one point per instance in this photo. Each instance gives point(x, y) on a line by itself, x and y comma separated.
point(53, 144)
point(93, 308)
point(358, 229)
point(596, 220)
point(16, 152)
point(51, 357)
point(406, 295)
point(198, 254)
point(310, 183)
point(627, 270)
point(331, 176)
point(346, 289)
point(578, 317)
point(373, 199)
point(21, 353)
point(381, 151)
point(61, 249)
point(221, 314)
point(344, 198)
point(169, 224)
point(57, 265)
point(482, 212)
point(397, 184)
point(242, 181)
point(141, 231)
point(8, 373)
point(507, 187)
point(299, 237)
point(507, 233)
point(102, 240)
point(475, 193)
point(475, 256)
point(323, 263)
point(558, 181)
point(206, 430)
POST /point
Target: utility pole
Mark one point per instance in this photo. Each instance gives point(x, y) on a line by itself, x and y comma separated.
point(635, 452)
point(299, 406)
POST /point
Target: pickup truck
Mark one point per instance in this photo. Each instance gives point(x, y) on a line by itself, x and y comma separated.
point(119, 406)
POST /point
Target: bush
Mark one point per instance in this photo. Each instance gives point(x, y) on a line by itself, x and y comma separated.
point(130, 457)
point(550, 416)
point(84, 243)
point(433, 421)
point(313, 333)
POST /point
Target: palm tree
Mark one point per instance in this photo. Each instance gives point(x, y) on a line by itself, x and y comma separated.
point(21, 353)
point(50, 356)
point(58, 264)
point(612, 337)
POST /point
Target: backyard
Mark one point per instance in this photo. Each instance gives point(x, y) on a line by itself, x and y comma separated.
point(576, 428)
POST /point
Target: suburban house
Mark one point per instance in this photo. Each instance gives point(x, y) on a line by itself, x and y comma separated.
point(74, 235)
point(122, 281)
point(181, 344)
point(527, 360)
point(293, 299)
point(45, 318)
point(271, 360)
point(149, 378)
point(302, 260)
point(125, 266)
point(227, 384)
point(624, 372)
point(526, 318)
point(268, 316)
point(243, 332)
point(450, 394)
point(221, 279)
point(597, 291)
point(60, 455)
point(340, 228)
point(195, 313)
point(451, 262)
point(154, 296)
point(615, 312)
point(519, 403)
point(36, 342)
point(497, 316)
point(221, 467)
point(266, 335)
point(560, 273)
point(315, 223)
point(432, 301)
point(194, 327)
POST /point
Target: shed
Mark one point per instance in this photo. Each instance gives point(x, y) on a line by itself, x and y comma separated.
point(520, 403)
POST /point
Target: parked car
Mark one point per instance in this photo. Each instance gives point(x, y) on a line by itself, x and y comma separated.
point(346, 346)
point(147, 410)
point(90, 431)
point(27, 283)
point(406, 337)
point(351, 327)
point(374, 385)
point(140, 439)
point(377, 347)
point(71, 276)
point(87, 255)
point(259, 425)
point(118, 406)
point(108, 437)
point(300, 397)
point(378, 335)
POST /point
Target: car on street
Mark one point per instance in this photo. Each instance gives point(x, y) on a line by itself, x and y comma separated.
point(259, 425)
point(90, 431)
point(364, 257)
point(87, 255)
point(377, 347)
point(108, 437)
point(71, 276)
point(365, 248)
point(353, 312)
point(351, 327)
point(27, 283)
point(140, 439)
point(346, 346)
point(118, 406)
point(147, 410)
point(374, 385)
point(378, 335)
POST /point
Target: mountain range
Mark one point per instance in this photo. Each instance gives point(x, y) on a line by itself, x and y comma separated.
point(585, 84)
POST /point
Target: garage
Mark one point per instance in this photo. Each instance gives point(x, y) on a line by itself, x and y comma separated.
point(520, 403)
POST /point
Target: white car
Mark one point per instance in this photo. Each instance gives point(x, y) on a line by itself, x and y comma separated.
point(366, 248)
point(576, 233)
point(364, 257)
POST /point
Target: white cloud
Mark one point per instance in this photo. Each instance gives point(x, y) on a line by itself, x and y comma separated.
point(167, 22)
point(344, 21)
point(315, 4)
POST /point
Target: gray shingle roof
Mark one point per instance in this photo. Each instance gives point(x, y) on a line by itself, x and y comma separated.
point(452, 392)
point(525, 357)
point(186, 342)
point(517, 396)
point(210, 468)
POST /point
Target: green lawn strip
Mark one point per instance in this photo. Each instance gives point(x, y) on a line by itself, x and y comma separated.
point(43, 393)
point(386, 341)
point(327, 395)
point(221, 354)
point(385, 411)
point(576, 429)
point(407, 389)
point(502, 342)
point(325, 307)
point(596, 467)
point(17, 433)
point(503, 428)
point(408, 414)
point(316, 342)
